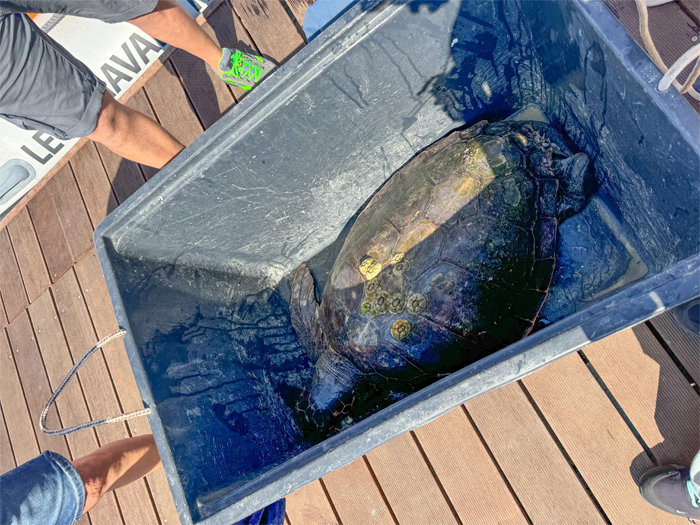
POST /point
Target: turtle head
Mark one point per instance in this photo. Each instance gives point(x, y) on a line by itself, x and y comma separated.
point(329, 396)
point(577, 184)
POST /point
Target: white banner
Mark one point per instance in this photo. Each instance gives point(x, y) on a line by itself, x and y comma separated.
point(118, 54)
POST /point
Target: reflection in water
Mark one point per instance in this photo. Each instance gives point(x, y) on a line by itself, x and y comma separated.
point(223, 378)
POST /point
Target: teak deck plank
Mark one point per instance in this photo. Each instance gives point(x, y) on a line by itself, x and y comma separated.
point(465, 469)
point(651, 390)
point(134, 499)
point(71, 403)
point(299, 8)
point(94, 183)
point(309, 506)
point(94, 289)
point(692, 9)
point(408, 484)
point(7, 457)
point(356, 497)
point(540, 476)
point(75, 221)
point(17, 418)
point(683, 345)
point(11, 288)
point(596, 438)
point(171, 106)
point(34, 382)
point(49, 232)
point(29, 257)
point(272, 30)
point(61, 221)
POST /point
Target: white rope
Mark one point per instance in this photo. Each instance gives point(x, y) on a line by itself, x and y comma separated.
point(679, 65)
point(89, 424)
point(670, 74)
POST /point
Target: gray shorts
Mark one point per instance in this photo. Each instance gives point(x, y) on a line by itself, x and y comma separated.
point(42, 86)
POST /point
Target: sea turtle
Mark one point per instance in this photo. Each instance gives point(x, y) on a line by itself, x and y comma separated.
point(450, 261)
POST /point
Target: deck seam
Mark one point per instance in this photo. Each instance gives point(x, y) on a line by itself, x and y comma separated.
point(7, 430)
point(436, 478)
point(43, 257)
point(2, 302)
point(496, 464)
point(618, 407)
point(330, 501)
point(178, 75)
point(24, 286)
point(48, 381)
point(153, 500)
point(82, 199)
point(104, 167)
point(294, 20)
point(564, 453)
point(381, 490)
point(687, 12)
point(19, 380)
point(673, 356)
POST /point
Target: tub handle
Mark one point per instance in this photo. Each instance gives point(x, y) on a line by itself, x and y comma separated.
point(113, 419)
point(671, 73)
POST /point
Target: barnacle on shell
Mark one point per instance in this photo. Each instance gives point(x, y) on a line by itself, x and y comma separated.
point(372, 287)
point(401, 267)
point(416, 303)
point(367, 309)
point(397, 303)
point(400, 329)
point(380, 302)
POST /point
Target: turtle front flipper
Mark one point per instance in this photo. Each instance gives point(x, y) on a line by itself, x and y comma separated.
point(303, 309)
point(577, 184)
point(329, 396)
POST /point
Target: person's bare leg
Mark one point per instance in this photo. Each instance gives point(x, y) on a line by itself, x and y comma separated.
point(115, 465)
point(132, 135)
point(170, 23)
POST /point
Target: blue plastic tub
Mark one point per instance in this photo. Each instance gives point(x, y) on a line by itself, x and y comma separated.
point(198, 260)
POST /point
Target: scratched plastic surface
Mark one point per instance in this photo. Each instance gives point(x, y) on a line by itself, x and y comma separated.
point(198, 261)
point(225, 376)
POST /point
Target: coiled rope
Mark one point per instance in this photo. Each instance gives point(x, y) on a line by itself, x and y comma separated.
point(94, 423)
point(670, 73)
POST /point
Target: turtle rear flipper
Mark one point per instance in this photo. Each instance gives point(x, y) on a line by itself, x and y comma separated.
point(577, 184)
point(330, 394)
point(303, 309)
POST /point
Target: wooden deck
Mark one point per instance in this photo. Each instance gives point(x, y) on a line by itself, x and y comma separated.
point(563, 446)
